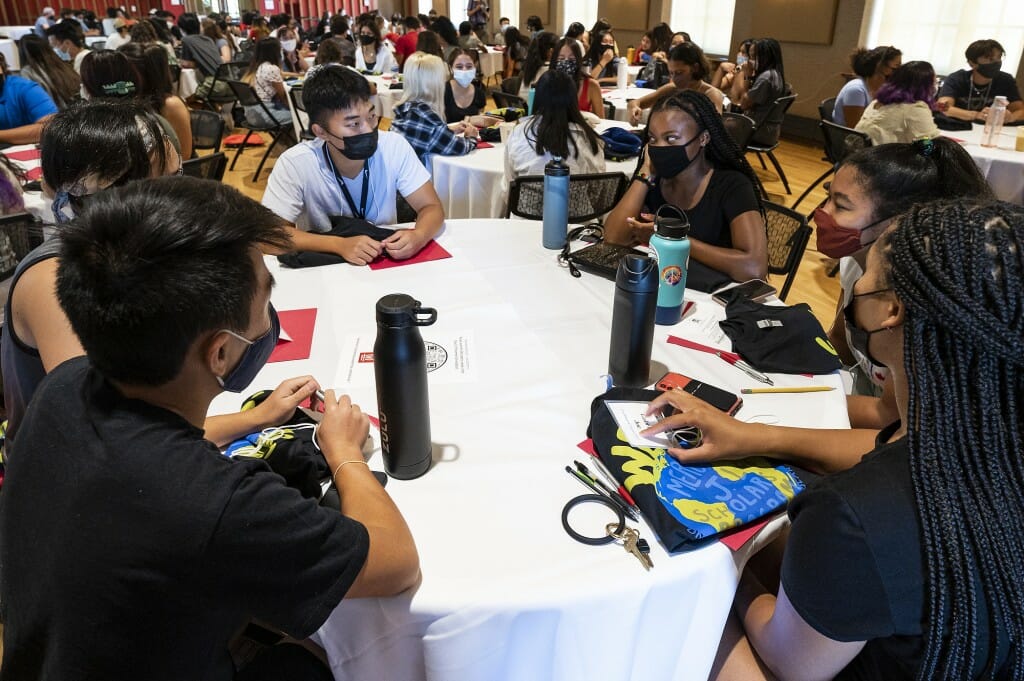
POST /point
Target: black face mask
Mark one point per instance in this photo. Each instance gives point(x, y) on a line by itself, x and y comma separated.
point(860, 337)
point(367, 39)
point(357, 147)
point(671, 160)
point(989, 70)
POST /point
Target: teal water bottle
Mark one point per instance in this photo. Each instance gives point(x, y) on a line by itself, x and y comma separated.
point(556, 204)
point(529, 101)
point(671, 243)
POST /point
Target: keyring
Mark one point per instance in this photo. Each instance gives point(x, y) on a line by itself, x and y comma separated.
point(688, 437)
point(600, 499)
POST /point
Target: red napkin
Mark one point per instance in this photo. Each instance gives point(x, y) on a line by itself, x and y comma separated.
point(432, 251)
point(298, 324)
point(24, 155)
point(34, 173)
point(484, 145)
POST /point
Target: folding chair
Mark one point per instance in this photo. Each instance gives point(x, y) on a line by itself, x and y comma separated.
point(19, 234)
point(590, 196)
point(776, 113)
point(511, 85)
point(246, 97)
point(788, 233)
point(209, 167)
point(505, 100)
point(295, 95)
point(207, 129)
point(840, 142)
point(232, 70)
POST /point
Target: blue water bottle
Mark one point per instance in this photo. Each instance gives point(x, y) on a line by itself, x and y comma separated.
point(672, 246)
point(556, 203)
point(529, 101)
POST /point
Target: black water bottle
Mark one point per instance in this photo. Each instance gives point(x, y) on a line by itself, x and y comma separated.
point(400, 365)
point(636, 299)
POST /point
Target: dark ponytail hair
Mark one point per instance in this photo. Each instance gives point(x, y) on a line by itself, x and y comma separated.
point(537, 55)
point(958, 270)
point(898, 175)
point(555, 108)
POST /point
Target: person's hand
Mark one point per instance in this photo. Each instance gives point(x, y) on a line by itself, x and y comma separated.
point(643, 227)
point(281, 404)
point(471, 131)
point(747, 69)
point(658, 56)
point(635, 113)
point(404, 243)
point(724, 437)
point(982, 115)
point(484, 121)
point(727, 67)
point(342, 431)
point(606, 57)
point(359, 250)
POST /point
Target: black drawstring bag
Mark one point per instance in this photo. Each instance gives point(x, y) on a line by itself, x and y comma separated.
point(340, 226)
point(689, 506)
point(774, 338)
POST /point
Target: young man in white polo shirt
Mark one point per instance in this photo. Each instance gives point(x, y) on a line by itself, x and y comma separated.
point(351, 169)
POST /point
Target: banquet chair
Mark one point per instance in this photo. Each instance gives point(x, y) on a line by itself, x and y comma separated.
point(511, 85)
point(826, 108)
point(788, 233)
point(207, 129)
point(209, 167)
point(295, 94)
point(590, 196)
point(741, 128)
point(98, 45)
point(840, 142)
point(247, 97)
point(777, 112)
point(232, 70)
point(19, 234)
point(505, 100)
point(609, 110)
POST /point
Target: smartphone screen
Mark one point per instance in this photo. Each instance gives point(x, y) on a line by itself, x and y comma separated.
point(757, 291)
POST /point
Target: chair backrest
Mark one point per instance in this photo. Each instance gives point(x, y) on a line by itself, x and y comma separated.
point(788, 233)
point(207, 129)
point(232, 70)
point(776, 114)
point(840, 142)
point(740, 128)
point(209, 167)
point(503, 99)
point(244, 93)
point(98, 45)
point(403, 210)
point(295, 95)
point(511, 85)
point(175, 72)
point(19, 234)
point(609, 110)
point(590, 196)
point(826, 108)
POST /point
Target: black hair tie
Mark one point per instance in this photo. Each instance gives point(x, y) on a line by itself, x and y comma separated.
point(599, 499)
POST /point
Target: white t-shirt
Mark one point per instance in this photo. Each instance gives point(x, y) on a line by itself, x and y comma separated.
point(521, 157)
point(117, 40)
point(385, 60)
point(304, 190)
point(266, 75)
point(78, 60)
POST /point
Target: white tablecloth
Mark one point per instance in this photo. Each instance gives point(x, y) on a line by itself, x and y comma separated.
point(491, 64)
point(188, 83)
point(35, 202)
point(506, 594)
point(10, 52)
point(91, 40)
point(387, 98)
point(15, 32)
point(1002, 166)
point(621, 99)
point(473, 186)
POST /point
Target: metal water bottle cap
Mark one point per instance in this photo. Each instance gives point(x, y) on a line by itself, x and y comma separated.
point(556, 167)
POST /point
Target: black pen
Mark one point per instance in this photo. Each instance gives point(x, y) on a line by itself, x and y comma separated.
point(600, 483)
point(592, 486)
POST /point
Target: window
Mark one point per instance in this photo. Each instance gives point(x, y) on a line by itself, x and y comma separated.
point(941, 33)
point(510, 9)
point(709, 23)
point(584, 12)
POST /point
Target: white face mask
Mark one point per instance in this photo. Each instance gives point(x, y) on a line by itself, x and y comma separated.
point(287, 45)
point(465, 78)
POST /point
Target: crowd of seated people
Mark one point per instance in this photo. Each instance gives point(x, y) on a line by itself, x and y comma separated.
point(929, 262)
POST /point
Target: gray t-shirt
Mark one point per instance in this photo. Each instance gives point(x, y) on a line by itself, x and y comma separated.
point(203, 51)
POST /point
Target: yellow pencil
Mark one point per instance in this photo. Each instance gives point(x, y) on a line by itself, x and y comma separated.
point(805, 389)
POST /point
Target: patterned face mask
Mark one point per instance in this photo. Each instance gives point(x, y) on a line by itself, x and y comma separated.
point(566, 66)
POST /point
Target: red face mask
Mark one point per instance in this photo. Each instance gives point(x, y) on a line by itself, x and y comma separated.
point(836, 241)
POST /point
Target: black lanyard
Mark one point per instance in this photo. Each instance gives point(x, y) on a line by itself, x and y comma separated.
point(361, 211)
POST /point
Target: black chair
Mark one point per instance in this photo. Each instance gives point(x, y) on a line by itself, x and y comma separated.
point(246, 97)
point(98, 45)
point(207, 129)
point(826, 108)
point(295, 95)
point(511, 85)
point(590, 196)
point(741, 128)
point(766, 147)
point(609, 110)
point(19, 234)
point(788, 233)
point(840, 142)
point(403, 210)
point(175, 74)
point(209, 167)
point(505, 100)
point(232, 70)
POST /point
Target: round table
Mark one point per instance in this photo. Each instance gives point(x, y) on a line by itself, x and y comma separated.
point(16, 32)
point(474, 185)
point(1002, 165)
point(621, 99)
point(10, 51)
point(188, 83)
point(505, 593)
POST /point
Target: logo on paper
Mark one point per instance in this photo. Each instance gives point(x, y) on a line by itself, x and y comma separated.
point(436, 356)
point(366, 358)
point(672, 275)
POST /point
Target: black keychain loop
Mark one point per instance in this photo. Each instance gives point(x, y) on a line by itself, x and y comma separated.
point(597, 498)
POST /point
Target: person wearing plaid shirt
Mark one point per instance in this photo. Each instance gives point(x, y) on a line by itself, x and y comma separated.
point(419, 117)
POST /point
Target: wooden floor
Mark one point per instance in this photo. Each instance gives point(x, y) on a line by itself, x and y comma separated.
point(801, 162)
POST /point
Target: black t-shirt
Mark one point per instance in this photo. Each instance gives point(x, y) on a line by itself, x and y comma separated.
point(971, 97)
point(453, 113)
point(854, 564)
point(131, 548)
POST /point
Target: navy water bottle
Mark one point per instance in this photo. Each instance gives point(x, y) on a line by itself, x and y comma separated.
point(400, 365)
point(556, 203)
point(636, 295)
point(671, 243)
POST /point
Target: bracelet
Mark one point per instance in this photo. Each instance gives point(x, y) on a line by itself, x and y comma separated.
point(645, 178)
point(345, 463)
point(620, 517)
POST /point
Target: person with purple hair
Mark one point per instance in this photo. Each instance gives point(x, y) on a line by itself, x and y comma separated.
point(902, 108)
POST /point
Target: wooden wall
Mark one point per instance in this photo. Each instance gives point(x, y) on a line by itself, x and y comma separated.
point(25, 12)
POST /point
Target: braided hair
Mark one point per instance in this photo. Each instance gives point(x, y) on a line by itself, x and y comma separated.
point(722, 150)
point(958, 269)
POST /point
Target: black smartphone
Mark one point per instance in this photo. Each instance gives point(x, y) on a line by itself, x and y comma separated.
point(755, 290)
point(716, 397)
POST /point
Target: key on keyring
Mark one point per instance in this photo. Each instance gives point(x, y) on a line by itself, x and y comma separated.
point(631, 542)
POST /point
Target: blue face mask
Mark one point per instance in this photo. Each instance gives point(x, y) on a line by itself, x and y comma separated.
point(254, 357)
point(66, 56)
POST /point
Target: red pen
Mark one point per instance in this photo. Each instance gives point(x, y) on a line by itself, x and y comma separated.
point(613, 482)
point(745, 368)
